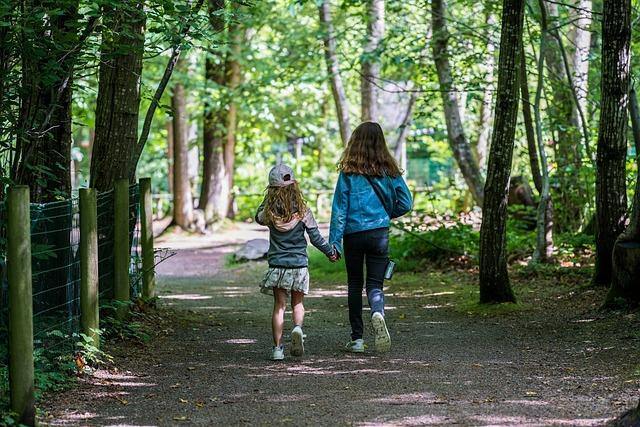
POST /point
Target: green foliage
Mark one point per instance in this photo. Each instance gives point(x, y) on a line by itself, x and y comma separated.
point(130, 329)
point(444, 243)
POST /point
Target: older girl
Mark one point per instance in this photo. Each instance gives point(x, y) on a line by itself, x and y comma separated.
point(370, 192)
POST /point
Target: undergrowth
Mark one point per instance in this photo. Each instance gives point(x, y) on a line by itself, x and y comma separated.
point(60, 357)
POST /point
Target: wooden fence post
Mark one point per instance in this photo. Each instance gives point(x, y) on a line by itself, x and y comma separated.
point(89, 313)
point(146, 238)
point(121, 254)
point(20, 305)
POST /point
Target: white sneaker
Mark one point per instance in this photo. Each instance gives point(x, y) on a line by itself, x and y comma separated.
point(381, 336)
point(277, 353)
point(297, 342)
point(355, 346)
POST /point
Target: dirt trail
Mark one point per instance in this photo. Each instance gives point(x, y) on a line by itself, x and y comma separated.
point(211, 367)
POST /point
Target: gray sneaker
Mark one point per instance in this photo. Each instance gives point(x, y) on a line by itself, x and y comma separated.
point(297, 342)
point(355, 346)
point(277, 353)
point(381, 336)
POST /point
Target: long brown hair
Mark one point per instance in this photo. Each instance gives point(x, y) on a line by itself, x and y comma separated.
point(282, 203)
point(367, 153)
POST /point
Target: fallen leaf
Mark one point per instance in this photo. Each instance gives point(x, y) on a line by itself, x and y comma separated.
point(176, 385)
point(182, 418)
point(183, 400)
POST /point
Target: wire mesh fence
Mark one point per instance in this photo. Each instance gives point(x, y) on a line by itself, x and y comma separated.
point(55, 242)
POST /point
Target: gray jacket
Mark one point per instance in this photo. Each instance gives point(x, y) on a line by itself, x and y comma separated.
point(287, 243)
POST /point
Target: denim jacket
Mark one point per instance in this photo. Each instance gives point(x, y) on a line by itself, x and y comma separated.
point(356, 207)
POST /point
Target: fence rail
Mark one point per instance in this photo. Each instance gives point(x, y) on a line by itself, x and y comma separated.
point(55, 261)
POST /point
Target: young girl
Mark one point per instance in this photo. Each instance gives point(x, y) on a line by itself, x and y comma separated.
point(370, 191)
point(284, 211)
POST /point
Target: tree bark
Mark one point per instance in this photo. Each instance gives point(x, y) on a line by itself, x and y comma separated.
point(544, 220)
point(532, 148)
point(43, 146)
point(626, 252)
point(580, 37)
point(214, 198)
point(487, 99)
point(182, 200)
point(400, 150)
point(455, 129)
point(333, 69)
point(118, 103)
point(611, 196)
point(370, 65)
point(494, 278)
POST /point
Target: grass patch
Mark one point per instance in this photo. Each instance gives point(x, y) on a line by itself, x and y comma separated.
point(323, 271)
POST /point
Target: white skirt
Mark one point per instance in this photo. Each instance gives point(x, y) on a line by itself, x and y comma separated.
point(289, 279)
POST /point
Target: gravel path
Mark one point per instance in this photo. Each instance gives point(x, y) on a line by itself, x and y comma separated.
point(562, 363)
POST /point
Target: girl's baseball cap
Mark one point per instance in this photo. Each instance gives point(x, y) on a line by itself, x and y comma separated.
point(281, 176)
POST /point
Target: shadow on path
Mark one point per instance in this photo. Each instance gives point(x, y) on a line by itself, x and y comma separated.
point(210, 366)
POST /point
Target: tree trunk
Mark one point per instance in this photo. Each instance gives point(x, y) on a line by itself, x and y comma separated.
point(400, 150)
point(333, 69)
point(532, 148)
point(233, 76)
point(580, 37)
point(370, 74)
point(44, 127)
point(118, 103)
point(214, 198)
point(169, 126)
point(544, 221)
point(182, 201)
point(611, 195)
point(560, 112)
point(626, 252)
point(487, 98)
point(494, 278)
point(455, 129)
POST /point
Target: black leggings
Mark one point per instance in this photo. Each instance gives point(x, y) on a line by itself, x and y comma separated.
point(370, 247)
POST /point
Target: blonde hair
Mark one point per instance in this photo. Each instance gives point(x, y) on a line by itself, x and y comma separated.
point(282, 203)
point(367, 153)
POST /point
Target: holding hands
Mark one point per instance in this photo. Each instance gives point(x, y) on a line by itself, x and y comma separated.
point(335, 256)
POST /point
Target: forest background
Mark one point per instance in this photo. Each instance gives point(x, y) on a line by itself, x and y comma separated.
point(205, 97)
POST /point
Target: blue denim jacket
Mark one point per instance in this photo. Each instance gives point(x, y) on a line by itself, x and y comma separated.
point(356, 207)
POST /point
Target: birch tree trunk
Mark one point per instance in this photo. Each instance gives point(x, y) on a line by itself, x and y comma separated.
point(370, 73)
point(580, 37)
point(494, 278)
point(544, 220)
point(118, 103)
point(611, 195)
point(214, 198)
point(455, 129)
point(486, 111)
point(333, 69)
point(182, 200)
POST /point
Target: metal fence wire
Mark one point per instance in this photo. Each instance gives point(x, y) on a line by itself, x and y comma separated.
point(55, 241)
